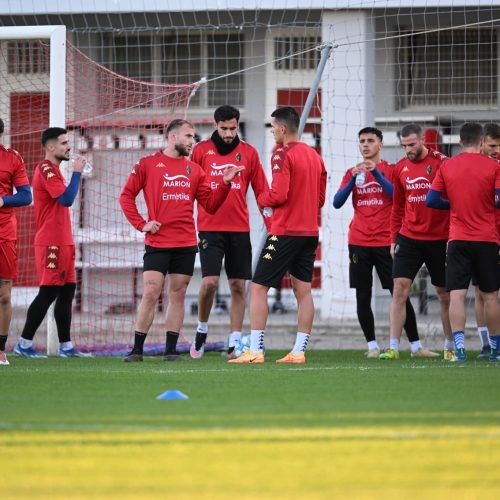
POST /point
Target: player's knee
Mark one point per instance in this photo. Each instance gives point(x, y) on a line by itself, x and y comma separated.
point(443, 296)
point(151, 295)
point(401, 290)
point(237, 288)
point(5, 298)
point(210, 284)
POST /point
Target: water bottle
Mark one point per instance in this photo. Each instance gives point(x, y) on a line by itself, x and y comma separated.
point(267, 212)
point(360, 179)
point(87, 168)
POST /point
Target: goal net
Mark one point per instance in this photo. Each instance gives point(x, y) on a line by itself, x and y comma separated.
point(129, 74)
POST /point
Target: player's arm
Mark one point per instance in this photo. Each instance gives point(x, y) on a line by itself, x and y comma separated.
point(130, 191)
point(385, 183)
point(20, 180)
point(434, 198)
point(398, 207)
point(345, 189)
point(280, 185)
point(20, 199)
point(322, 185)
point(211, 199)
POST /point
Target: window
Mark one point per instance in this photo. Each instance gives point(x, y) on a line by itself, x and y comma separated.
point(284, 46)
point(25, 57)
point(180, 59)
point(448, 68)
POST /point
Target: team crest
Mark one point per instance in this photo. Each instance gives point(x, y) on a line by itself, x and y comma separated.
point(429, 169)
point(238, 156)
point(396, 249)
point(188, 169)
point(354, 258)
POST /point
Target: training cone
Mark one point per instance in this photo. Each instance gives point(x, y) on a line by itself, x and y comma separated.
point(172, 395)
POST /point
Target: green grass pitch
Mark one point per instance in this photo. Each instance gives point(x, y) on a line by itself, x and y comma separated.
point(340, 426)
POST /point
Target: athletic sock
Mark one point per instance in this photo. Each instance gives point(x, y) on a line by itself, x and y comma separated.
point(415, 346)
point(171, 343)
point(234, 338)
point(199, 340)
point(483, 335)
point(25, 343)
point(202, 327)
point(3, 341)
point(256, 341)
point(66, 346)
point(494, 342)
point(372, 345)
point(394, 344)
point(139, 339)
point(300, 343)
point(458, 339)
point(449, 345)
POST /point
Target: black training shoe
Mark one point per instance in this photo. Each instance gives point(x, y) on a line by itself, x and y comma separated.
point(173, 356)
point(485, 352)
point(132, 357)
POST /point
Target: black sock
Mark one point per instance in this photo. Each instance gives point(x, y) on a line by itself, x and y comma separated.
point(38, 309)
point(171, 345)
point(200, 339)
point(230, 349)
point(63, 311)
point(365, 313)
point(410, 325)
point(3, 341)
point(139, 339)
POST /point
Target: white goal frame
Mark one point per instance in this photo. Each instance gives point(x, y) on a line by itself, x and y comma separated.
point(57, 115)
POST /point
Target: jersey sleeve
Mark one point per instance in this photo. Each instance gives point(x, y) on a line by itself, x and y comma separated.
point(258, 178)
point(345, 180)
point(52, 181)
point(20, 177)
point(398, 205)
point(211, 199)
point(133, 186)
point(197, 155)
point(438, 182)
point(280, 185)
point(322, 185)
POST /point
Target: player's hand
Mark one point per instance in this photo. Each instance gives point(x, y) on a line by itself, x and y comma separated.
point(392, 249)
point(79, 163)
point(369, 165)
point(360, 167)
point(231, 172)
point(1, 202)
point(152, 227)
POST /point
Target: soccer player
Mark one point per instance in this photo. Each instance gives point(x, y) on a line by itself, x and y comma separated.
point(296, 196)
point(12, 175)
point(473, 241)
point(418, 235)
point(54, 245)
point(491, 148)
point(369, 235)
point(226, 234)
point(170, 183)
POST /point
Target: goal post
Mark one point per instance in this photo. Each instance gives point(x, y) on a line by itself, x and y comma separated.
point(57, 106)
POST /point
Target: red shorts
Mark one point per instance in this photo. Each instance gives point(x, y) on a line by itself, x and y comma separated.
point(55, 265)
point(8, 260)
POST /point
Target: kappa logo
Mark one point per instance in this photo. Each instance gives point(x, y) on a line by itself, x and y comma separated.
point(405, 169)
point(354, 258)
point(276, 157)
point(45, 168)
point(53, 247)
point(133, 172)
point(51, 265)
point(160, 165)
point(267, 256)
point(276, 167)
point(52, 256)
point(273, 238)
point(271, 247)
point(280, 150)
point(210, 152)
point(50, 175)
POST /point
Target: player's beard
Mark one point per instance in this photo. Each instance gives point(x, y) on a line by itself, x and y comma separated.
point(64, 157)
point(416, 155)
point(183, 150)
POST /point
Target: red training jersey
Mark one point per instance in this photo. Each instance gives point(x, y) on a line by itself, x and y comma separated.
point(53, 222)
point(170, 186)
point(233, 214)
point(372, 209)
point(297, 192)
point(410, 216)
point(470, 180)
point(12, 173)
